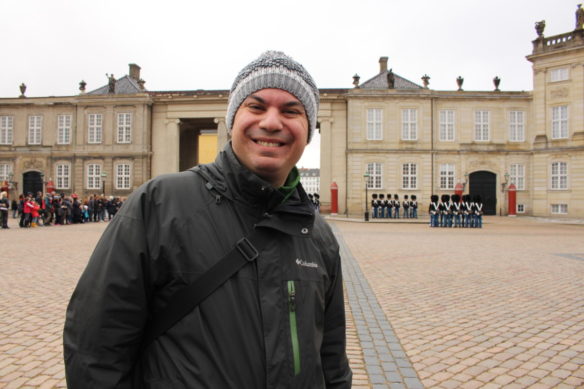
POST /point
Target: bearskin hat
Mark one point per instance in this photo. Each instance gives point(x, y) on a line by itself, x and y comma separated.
point(374, 195)
point(434, 198)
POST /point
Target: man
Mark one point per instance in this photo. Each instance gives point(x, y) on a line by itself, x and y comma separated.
point(279, 322)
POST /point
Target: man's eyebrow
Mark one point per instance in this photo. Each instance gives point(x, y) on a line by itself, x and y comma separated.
point(293, 103)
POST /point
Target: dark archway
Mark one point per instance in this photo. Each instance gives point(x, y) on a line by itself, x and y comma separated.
point(33, 182)
point(484, 184)
point(190, 132)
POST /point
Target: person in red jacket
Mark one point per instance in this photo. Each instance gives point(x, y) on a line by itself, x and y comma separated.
point(27, 210)
point(34, 212)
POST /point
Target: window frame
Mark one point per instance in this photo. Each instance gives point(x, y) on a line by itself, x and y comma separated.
point(447, 125)
point(374, 124)
point(124, 178)
point(517, 175)
point(92, 177)
point(516, 127)
point(94, 130)
point(5, 171)
point(63, 179)
point(375, 171)
point(559, 74)
point(35, 128)
point(559, 175)
point(482, 126)
point(124, 130)
point(561, 209)
point(64, 129)
point(409, 124)
point(559, 131)
point(409, 176)
point(6, 129)
point(447, 176)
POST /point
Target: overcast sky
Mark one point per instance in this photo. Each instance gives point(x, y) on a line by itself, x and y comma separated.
point(51, 45)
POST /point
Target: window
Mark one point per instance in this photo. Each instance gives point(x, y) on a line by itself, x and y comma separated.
point(374, 179)
point(559, 74)
point(446, 126)
point(561, 209)
point(517, 176)
point(123, 176)
point(520, 208)
point(559, 175)
point(124, 127)
point(63, 174)
point(6, 129)
point(409, 179)
point(63, 129)
point(374, 127)
point(517, 126)
point(93, 176)
point(5, 171)
point(409, 124)
point(95, 128)
point(482, 125)
point(34, 130)
point(447, 176)
point(560, 122)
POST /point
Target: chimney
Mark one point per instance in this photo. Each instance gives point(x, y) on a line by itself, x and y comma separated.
point(134, 72)
point(382, 64)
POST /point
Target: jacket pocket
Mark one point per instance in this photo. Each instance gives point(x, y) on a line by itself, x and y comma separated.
point(293, 327)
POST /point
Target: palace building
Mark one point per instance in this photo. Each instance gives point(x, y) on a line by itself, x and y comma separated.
point(388, 133)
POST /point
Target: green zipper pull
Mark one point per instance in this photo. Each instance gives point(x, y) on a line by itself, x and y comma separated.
point(293, 326)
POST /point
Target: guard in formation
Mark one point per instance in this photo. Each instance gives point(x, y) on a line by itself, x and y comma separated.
point(388, 207)
point(454, 211)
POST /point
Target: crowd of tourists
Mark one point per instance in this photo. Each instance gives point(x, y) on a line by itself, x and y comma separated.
point(57, 209)
point(456, 211)
point(390, 207)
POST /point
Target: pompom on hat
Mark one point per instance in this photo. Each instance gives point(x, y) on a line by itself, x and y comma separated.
point(274, 69)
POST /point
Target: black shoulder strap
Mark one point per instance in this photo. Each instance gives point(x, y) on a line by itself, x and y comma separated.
point(185, 300)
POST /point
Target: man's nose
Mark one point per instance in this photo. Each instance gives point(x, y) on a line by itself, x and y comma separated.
point(271, 120)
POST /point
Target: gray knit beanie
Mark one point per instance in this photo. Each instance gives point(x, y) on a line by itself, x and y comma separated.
point(274, 69)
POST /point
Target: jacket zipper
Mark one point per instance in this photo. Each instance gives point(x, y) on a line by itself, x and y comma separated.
point(293, 326)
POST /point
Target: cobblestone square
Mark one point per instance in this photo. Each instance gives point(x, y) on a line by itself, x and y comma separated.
point(437, 308)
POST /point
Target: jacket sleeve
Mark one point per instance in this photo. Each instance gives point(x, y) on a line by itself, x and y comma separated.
point(335, 364)
point(109, 307)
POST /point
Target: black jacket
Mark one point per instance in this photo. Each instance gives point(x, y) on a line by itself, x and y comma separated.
point(168, 233)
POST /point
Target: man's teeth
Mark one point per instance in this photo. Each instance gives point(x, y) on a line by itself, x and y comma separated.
point(267, 144)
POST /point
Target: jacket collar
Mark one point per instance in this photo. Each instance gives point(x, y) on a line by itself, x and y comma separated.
point(294, 216)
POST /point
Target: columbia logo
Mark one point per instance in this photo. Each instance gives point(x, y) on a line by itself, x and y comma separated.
point(301, 262)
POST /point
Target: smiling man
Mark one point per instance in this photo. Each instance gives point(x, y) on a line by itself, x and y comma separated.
point(155, 307)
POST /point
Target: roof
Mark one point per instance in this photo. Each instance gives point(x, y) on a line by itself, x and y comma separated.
point(380, 82)
point(124, 86)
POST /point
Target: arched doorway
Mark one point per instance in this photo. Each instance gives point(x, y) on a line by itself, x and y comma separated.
point(484, 184)
point(33, 182)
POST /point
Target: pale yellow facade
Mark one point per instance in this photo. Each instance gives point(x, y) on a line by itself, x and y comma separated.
point(414, 140)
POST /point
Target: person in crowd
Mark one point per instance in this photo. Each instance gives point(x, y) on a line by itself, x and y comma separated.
point(278, 320)
point(35, 213)
point(4, 207)
point(14, 207)
point(27, 209)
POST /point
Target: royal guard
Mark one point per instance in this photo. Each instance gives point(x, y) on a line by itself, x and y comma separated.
point(434, 211)
point(396, 206)
point(466, 211)
point(406, 206)
point(389, 210)
point(443, 211)
point(456, 210)
point(316, 197)
point(478, 212)
point(374, 205)
point(414, 207)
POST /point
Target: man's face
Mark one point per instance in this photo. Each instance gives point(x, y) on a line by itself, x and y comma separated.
point(269, 134)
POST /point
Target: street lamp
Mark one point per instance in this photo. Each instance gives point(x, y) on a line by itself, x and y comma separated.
point(366, 216)
point(103, 177)
point(504, 184)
